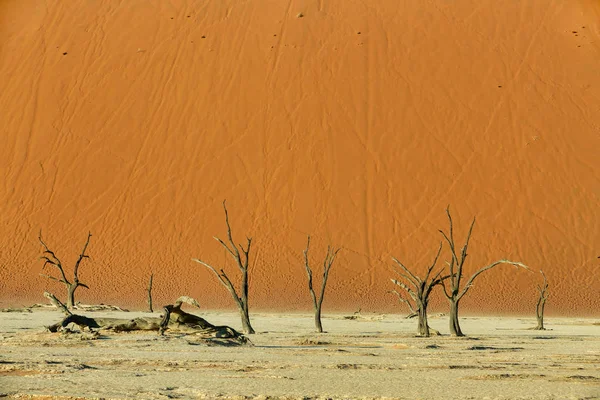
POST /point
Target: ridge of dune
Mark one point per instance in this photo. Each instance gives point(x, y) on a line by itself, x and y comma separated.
point(357, 123)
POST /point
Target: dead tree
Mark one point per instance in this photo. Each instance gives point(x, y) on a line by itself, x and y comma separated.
point(327, 263)
point(50, 258)
point(150, 293)
point(413, 312)
point(420, 290)
point(241, 259)
point(456, 291)
point(541, 303)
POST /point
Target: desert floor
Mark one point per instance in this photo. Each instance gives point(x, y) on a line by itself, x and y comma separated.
point(372, 356)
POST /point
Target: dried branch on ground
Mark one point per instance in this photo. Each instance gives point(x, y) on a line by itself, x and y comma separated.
point(174, 320)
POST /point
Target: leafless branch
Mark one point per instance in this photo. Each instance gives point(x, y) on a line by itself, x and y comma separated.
point(53, 261)
point(408, 275)
point(57, 303)
point(81, 257)
point(482, 270)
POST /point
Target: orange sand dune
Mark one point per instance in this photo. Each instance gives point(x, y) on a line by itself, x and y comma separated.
point(357, 123)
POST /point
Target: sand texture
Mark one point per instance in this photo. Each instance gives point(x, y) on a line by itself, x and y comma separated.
point(357, 123)
point(371, 357)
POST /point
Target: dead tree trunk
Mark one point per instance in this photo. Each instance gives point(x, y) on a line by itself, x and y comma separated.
point(454, 324)
point(150, 309)
point(455, 268)
point(242, 263)
point(541, 303)
point(327, 263)
point(50, 257)
point(420, 290)
point(174, 319)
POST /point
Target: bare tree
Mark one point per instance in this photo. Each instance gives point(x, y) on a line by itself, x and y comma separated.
point(50, 258)
point(241, 259)
point(420, 290)
point(455, 269)
point(327, 263)
point(541, 303)
point(149, 290)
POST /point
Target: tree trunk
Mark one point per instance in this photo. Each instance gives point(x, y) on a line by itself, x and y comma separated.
point(244, 309)
point(318, 320)
point(247, 327)
point(71, 295)
point(540, 316)
point(540, 324)
point(150, 293)
point(454, 324)
point(423, 326)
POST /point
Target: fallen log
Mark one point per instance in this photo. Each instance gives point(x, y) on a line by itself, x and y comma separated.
point(174, 320)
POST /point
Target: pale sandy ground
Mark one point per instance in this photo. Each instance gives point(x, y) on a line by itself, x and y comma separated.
point(375, 356)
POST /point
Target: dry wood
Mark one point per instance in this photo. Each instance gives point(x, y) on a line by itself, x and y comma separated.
point(150, 293)
point(541, 303)
point(50, 258)
point(327, 263)
point(455, 269)
point(419, 290)
point(242, 263)
point(174, 320)
point(57, 303)
point(413, 312)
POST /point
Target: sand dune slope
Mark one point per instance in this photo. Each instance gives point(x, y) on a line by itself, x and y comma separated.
point(357, 123)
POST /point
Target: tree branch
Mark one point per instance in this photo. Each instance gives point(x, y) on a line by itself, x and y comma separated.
point(413, 312)
point(56, 261)
point(480, 271)
point(226, 247)
point(81, 257)
point(57, 303)
point(410, 277)
point(327, 263)
point(230, 238)
point(410, 291)
point(186, 299)
point(435, 260)
point(309, 274)
point(225, 281)
point(54, 279)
